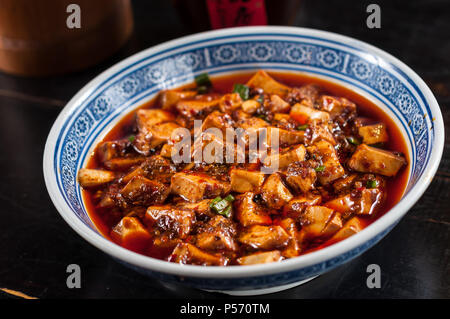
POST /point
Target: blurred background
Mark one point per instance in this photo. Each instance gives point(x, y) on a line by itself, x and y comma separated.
point(43, 65)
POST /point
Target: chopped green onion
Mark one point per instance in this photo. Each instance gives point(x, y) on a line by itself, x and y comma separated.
point(320, 168)
point(353, 140)
point(229, 198)
point(372, 183)
point(243, 90)
point(131, 138)
point(222, 206)
point(262, 116)
point(226, 212)
point(203, 80)
point(260, 99)
point(302, 127)
point(202, 89)
point(215, 200)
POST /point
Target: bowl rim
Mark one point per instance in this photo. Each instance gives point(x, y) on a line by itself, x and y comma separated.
point(316, 257)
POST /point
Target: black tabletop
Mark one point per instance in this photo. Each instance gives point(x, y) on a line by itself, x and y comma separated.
point(36, 245)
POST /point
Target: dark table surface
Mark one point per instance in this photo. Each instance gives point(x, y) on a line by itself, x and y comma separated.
point(36, 245)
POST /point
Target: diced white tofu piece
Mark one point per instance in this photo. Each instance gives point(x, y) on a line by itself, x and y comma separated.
point(315, 219)
point(264, 237)
point(274, 193)
point(281, 117)
point(336, 106)
point(293, 247)
point(365, 202)
point(200, 208)
point(301, 176)
point(131, 234)
point(304, 114)
point(250, 106)
point(218, 120)
point(333, 225)
point(230, 102)
point(249, 213)
point(170, 219)
point(196, 109)
point(369, 159)
point(344, 184)
point(216, 235)
point(245, 181)
point(189, 254)
point(169, 98)
point(109, 150)
point(285, 137)
point(123, 163)
point(296, 207)
point(94, 177)
point(263, 81)
point(195, 187)
point(373, 134)
point(282, 160)
point(155, 135)
point(351, 227)
point(332, 168)
point(278, 105)
point(306, 94)
point(142, 191)
point(260, 258)
point(318, 132)
point(210, 149)
point(146, 118)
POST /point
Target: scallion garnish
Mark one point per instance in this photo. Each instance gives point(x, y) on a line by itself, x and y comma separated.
point(243, 90)
point(203, 80)
point(320, 168)
point(202, 89)
point(131, 138)
point(372, 183)
point(353, 140)
point(302, 127)
point(222, 206)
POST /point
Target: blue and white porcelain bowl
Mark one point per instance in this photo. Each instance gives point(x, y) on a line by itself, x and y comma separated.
point(367, 70)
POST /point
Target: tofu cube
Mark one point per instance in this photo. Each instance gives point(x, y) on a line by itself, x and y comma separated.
point(278, 105)
point(263, 81)
point(175, 221)
point(142, 191)
point(315, 220)
point(373, 134)
point(304, 114)
point(274, 193)
point(185, 253)
point(367, 159)
point(169, 98)
point(195, 187)
point(94, 177)
point(282, 160)
point(264, 237)
point(260, 258)
point(245, 181)
point(351, 227)
point(301, 177)
point(131, 234)
point(248, 213)
point(332, 168)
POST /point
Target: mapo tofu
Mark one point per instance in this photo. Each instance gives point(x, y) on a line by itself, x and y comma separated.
point(328, 163)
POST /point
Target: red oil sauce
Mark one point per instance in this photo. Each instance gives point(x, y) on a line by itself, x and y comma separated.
point(395, 185)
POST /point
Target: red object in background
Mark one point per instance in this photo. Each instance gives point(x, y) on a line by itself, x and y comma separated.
point(234, 13)
point(202, 15)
